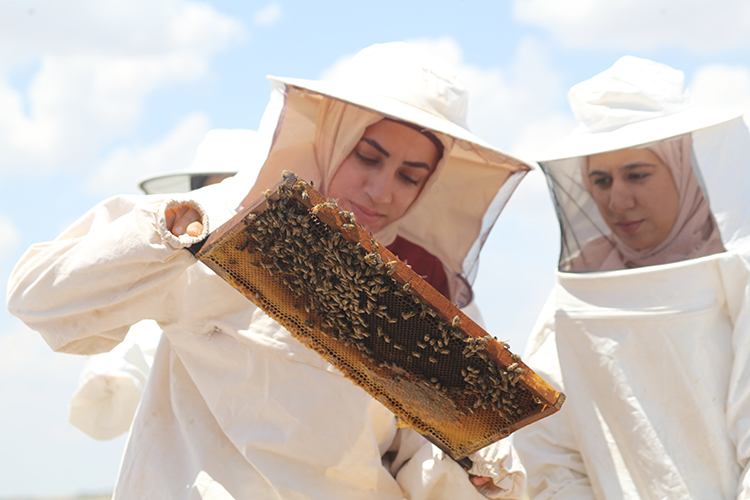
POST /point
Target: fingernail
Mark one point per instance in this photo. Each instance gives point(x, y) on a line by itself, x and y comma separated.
point(178, 230)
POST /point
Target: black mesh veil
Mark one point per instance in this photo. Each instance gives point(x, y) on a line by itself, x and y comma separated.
point(577, 214)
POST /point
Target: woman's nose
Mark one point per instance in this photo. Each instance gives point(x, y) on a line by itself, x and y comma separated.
point(621, 197)
point(379, 186)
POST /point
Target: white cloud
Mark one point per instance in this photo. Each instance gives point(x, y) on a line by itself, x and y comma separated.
point(23, 351)
point(507, 106)
point(98, 63)
point(36, 384)
point(112, 28)
point(269, 15)
point(701, 26)
point(11, 237)
point(126, 166)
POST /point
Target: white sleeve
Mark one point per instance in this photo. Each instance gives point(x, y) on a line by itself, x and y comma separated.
point(736, 278)
point(112, 383)
point(554, 465)
point(548, 447)
point(113, 267)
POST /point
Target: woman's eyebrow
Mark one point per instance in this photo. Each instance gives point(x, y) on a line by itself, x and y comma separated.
point(418, 164)
point(375, 144)
point(629, 166)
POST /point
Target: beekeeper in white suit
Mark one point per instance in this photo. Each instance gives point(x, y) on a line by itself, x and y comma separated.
point(111, 383)
point(647, 330)
point(234, 406)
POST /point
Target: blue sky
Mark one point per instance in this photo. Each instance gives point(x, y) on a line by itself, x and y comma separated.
point(95, 96)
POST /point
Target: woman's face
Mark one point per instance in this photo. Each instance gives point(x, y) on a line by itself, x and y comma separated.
point(383, 174)
point(636, 195)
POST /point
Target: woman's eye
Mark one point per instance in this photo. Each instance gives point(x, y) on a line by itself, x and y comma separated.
point(409, 179)
point(367, 160)
point(637, 176)
point(602, 182)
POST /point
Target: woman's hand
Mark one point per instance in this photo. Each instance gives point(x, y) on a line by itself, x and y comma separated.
point(184, 219)
point(479, 480)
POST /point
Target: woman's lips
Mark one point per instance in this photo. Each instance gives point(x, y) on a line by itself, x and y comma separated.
point(629, 226)
point(365, 216)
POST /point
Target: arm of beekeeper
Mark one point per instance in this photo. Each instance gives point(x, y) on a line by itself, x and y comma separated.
point(548, 447)
point(112, 383)
point(736, 280)
point(113, 267)
point(424, 472)
point(553, 464)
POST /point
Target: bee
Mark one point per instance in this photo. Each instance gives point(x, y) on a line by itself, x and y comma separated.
point(455, 321)
point(242, 246)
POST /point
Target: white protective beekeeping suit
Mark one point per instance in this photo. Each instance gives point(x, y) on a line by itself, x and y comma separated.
point(111, 384)
point(234, 406)
point(653, 359)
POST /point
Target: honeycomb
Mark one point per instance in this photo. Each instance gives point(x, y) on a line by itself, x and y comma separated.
point(308, 265)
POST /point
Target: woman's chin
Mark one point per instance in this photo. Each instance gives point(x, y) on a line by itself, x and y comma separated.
point(640, 244)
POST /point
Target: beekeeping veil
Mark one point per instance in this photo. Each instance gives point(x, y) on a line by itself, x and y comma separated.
point(639, 103)
point(317, 123)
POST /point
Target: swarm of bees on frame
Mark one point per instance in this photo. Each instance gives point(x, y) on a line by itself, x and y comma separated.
point(360, 304)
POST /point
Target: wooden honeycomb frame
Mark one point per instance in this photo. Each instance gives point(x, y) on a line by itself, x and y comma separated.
point(400, 344)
